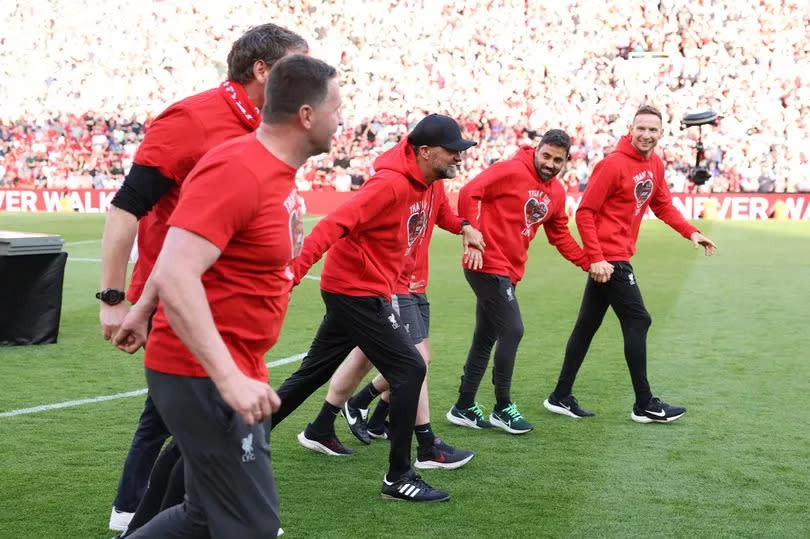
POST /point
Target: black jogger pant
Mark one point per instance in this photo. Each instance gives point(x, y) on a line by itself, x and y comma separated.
point(622, 293)
point(230, 490)
point(497, 319)
point(370, 323)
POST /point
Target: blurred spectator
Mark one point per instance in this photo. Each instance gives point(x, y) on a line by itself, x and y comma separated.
point(93, 77)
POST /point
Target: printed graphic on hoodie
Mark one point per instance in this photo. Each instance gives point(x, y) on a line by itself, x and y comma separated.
point(416, 225)
point(536, 209)
point(643, 188)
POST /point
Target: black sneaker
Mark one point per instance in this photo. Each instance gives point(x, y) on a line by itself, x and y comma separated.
point(328, 445)
point(356, 418)
point(411, 488)
point(657, 411)
point(380, 433)
point(567, 406)
point(441, 455)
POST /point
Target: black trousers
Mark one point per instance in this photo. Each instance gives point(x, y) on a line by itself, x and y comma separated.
point(143, 451)
point(149, 437)
point(497, 320)
point(370, 323)
point(166, 487)
point(230, 490)
point(622, 293)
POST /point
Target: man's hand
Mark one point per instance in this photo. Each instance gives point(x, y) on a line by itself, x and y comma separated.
point(473, 259)
point(254, 401)
point(131, 335)
point(111, 317)
point(413, 286)
point(472, 237)
point(698, 240)
point(601, 271)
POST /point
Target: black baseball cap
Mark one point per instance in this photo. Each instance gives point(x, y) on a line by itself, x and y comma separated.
point(439, 130)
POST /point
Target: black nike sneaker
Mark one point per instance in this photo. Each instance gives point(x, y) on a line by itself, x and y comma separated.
point(328, 444)
point(356, 419)
point(657, 411)
point(567, 406)
point(440, 455)
point(411, 488)
point(383, 432)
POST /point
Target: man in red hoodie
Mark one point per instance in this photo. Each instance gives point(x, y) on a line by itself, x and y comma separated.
point(508, 202)
point(370, 236)
point(173, 144)
point(623, 185)
point(411, 304)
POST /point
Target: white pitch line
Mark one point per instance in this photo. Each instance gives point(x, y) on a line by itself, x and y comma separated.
point(103, 398)
point(69, 243)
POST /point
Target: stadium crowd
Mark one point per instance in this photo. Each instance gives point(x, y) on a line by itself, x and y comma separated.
point(81, 85)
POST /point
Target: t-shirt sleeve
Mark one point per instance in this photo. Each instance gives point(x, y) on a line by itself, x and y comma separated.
point(173, 143)
point(217, 200)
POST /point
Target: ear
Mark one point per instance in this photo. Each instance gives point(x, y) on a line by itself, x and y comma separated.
point(306, 116)
point(261, 71)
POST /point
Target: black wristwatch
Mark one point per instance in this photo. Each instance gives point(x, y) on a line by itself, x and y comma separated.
point(464, 223)
point(111, 296)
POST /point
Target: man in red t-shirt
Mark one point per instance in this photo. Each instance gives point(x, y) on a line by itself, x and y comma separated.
point(623, 185)
point(173, 144)
point(370, 236)
point(223, 278)
point(509, 202)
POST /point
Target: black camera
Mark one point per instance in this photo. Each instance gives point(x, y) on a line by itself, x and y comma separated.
point(699, 174)
point(707, 117)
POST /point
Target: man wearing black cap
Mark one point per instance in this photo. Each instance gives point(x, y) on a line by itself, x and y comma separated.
point(370, 235)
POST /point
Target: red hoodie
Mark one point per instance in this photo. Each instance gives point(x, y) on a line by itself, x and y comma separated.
point(619, 191)
point(508, 202)
point(372, 233)
point(414, 277)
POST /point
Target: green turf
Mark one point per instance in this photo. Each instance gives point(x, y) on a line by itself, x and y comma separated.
point(729, 340)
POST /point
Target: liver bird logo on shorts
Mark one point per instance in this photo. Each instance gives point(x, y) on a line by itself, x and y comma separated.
point(535, 211)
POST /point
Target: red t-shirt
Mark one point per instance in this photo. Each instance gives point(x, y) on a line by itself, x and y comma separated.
point(173, 144)
point(508, 203)
point(242, 199)
point(623, 185)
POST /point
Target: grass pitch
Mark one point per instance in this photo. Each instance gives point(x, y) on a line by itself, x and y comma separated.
point(729, 341)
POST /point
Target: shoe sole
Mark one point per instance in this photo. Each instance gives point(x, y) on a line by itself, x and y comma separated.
point(394, 498)
point(433, 465)
point(318, 447)
point(501, 425)
point(377, 436)
point(559, 410)
point(645, 419)
point(462, 421)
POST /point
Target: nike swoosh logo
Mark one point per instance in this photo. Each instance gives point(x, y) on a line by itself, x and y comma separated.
point(349, 418)
point(662, 413)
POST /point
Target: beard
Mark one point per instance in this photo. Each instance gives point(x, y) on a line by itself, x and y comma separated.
point(547, 173)
point(448, 173)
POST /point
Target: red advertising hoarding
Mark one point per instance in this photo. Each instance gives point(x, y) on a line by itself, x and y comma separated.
point(732, 206)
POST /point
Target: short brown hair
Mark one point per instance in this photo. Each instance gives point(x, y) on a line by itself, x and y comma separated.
point(295, 81)
point(268, 43)
point(648, 109)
